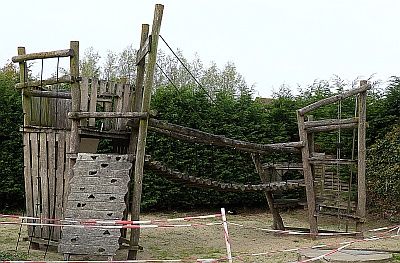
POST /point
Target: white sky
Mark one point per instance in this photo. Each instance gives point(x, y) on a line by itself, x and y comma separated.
point(271, 42)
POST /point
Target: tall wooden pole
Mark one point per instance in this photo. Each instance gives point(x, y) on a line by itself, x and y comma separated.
point(137, 107)
point(308, 176)
point(142, 134)
point(76, 106)
point(362, 196)
point(23, 77)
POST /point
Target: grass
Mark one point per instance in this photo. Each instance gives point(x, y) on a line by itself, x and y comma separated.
point(13, 255)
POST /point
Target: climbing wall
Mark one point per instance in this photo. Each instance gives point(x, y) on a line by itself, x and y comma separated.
point(97, 191)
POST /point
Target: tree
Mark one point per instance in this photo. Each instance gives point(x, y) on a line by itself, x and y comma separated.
point(11, 149)
point(383, 174)
point(89, 64)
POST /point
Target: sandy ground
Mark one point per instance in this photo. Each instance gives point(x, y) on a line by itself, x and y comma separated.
point(247, 232)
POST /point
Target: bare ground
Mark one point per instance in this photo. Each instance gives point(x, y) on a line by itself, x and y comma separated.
point(208, 241)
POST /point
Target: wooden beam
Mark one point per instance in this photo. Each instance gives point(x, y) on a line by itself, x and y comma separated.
point(329, 122)
point(333, 99)
point(142, 133)
point(333, 127)
point(291, 147)
point(144, 50)
point(26, 99)
point(88, 114)
point(48, 94)
point(43, 55)
point(308, 177)
point(45, 82)
point(362, 195)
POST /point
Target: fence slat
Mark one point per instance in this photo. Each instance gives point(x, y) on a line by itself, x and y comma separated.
point(44, 181)
point(93, 100)
point(35, 180)
point(28, 180)
point(84, 97)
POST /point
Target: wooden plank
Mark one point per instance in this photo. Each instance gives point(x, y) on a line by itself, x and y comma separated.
point(144, 50)
point(118, 104)
point(52, 168)
point(125, 104)
point(59, 181)
point(84, 98)
point(43, 55)
point(28, 180)
point(44, 182)
point(93, 100)
point(35, 181)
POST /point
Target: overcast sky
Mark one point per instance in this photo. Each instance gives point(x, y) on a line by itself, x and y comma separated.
point(271, 42)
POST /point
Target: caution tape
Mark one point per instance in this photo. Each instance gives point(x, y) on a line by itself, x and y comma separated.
point(308, 233)
point(112, 222)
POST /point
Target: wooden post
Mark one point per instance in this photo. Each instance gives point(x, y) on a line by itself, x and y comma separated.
point(137, 106)
point(362, 197)
point(142, 134)
point(23, 77)
point(138, 97)
point(308, 176)
point(277, 219)
point(76, 106)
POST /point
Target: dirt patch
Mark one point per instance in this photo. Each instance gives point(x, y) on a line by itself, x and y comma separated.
point(245, 234)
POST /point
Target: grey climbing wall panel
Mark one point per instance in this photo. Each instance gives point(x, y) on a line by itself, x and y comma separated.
point(97, 191)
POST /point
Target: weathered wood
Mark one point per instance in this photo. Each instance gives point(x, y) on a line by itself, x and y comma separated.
point(48, 94)
point(118, 104)
point(349, 126)
point(309, 123)
point(43, 55)
point(143, 51)
point(35, 180)
point(74, 139)
point(142, 133)
point(84, 98)
point(110, 114)
point(93, 100)
point(44, 182)
point(277, 219)
point(125, 104)
point(28, 180)
point(138, 95)
point(26, 100)
point(227, 142)
point(45, 82)
point(317, 160)
point(59, 191)
point(362, 197)
point(308, 177)
point(333, 99)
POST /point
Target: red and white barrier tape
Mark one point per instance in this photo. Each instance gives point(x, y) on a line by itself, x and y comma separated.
point(112, 222)
point(307, 233)
point(374, 238)
point(107, 226)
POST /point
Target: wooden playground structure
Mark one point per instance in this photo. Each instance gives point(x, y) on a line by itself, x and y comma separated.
point(62, 128)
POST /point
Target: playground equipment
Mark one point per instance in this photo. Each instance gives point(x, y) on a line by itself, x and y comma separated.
point(62, 128)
